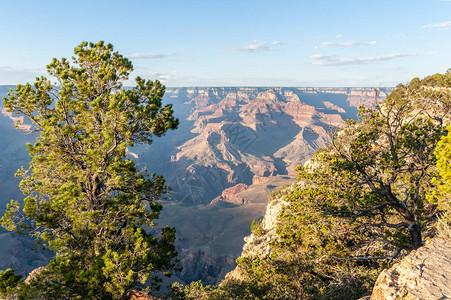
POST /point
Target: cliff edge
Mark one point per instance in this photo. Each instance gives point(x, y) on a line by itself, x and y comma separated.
point(423, 274)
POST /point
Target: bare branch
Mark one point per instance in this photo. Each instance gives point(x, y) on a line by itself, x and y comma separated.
point(360, 258)
point(366, 212)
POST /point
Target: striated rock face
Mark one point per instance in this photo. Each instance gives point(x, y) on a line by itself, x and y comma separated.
point(259, 179)
point(232, 135)
point(423, 274)
point(230, 195)
point(203, 265)
point(228, 138)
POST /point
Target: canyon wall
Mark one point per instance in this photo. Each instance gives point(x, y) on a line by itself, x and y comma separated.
point(233, 147)
point(230, 136)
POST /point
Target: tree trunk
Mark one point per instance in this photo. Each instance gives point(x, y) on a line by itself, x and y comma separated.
point(415, 233)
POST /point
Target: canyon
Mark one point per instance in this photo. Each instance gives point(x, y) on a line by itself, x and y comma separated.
point(234, 146)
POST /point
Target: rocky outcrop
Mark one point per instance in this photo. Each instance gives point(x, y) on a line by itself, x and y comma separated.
point(423, 274)
point(199, 264)
point(18, 121)
point(33, 274)
point(230, 195)
point(258, 243)
point(259, 179)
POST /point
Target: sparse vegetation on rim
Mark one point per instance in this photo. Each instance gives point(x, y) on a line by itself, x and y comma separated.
point(362, 203)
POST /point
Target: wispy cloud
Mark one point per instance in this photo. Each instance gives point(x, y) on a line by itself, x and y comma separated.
point(259, 46)
point(14, 75)
point(438, 26)
point(163, 76)
point(335, 60)
point(150, 55)
point(340, 44)
point(345, 44)
point(322, 56)
point(254, 47)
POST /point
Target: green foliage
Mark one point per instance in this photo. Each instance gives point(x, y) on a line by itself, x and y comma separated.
point(229, 289)
point(84, 199)
point(302, 276)
point(8, 283)
point(194, 291)
point(303, 263)
point(442, 194)
point(359, 203)
point(257, 228)
point(387, 159)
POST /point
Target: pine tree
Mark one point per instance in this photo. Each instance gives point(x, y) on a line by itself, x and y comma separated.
point(85, 200)
point(442, 193)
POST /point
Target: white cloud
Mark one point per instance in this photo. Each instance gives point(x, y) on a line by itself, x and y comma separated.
point(340, 44)
point(259, 46)
point(277, 43)
point(346, 44)
point(322, 56)
point(339, 36)
point(163, 76)
point(438, 26)
point(159, 76)
point(335, 60)
point(254, 47)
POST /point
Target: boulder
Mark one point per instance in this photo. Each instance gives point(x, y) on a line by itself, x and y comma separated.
point(423, 274)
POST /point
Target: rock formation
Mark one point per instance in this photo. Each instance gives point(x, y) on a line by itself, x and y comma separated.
point(423, 274)
point(230, 195)
point(198, 264)
point(228, 138)
point(235, 134)
point(259, 244)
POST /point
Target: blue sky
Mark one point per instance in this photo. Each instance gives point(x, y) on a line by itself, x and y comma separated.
point(236, 42)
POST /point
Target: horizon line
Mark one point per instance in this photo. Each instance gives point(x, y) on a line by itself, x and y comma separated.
point(250, 86)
